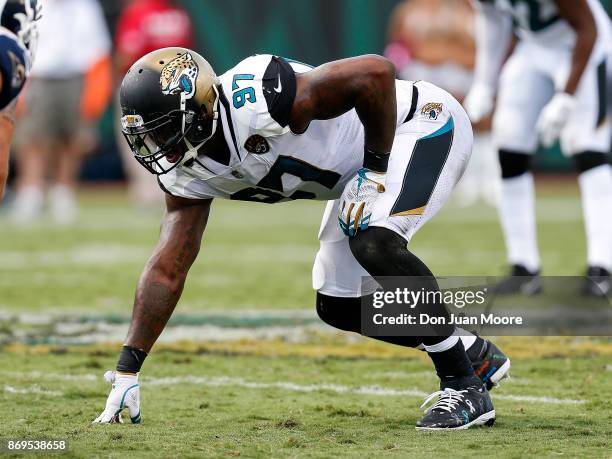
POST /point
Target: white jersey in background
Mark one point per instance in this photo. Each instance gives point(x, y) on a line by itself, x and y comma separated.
point(538, 21)
point(538, 67)
point(73, 37)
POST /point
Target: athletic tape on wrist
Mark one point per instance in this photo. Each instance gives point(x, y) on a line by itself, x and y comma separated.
point(130, 360)
point(378, 162)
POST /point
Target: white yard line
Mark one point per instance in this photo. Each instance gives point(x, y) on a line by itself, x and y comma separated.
point(31, 390)
point(535, 399)
point(57, 376)
point(227, 381)
point(96, 255)
point(339, 389)
point(222, 381)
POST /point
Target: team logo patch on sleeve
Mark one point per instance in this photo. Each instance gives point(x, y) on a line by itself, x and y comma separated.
point(432, 110)
point(257, 144)
point(180, 76)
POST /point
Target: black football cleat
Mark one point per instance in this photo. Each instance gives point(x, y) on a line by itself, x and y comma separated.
point(458, 409)
point(520, 281)
point(492, 365)
point(596, 283)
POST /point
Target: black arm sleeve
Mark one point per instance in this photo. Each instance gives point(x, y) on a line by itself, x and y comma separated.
point(279, 88)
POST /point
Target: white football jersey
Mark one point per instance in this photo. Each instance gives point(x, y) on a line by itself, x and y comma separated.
point(266, 162)
point(539, 21)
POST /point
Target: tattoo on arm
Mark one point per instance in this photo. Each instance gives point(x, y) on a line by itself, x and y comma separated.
point(152, 309)
point(162, 280)
point(190, 246)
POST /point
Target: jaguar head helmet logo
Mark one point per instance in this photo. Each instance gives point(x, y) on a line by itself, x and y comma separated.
point(180, 76)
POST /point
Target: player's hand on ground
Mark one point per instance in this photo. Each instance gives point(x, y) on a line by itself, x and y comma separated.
point(479, 102)
point(554, 116)
point(125, 393)
point(357, 201)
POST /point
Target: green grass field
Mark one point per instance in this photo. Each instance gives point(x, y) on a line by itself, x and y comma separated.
point(246, 369)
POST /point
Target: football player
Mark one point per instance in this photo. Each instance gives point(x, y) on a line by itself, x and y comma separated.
point(18, 35)
point(385, 153)
point(553, 86)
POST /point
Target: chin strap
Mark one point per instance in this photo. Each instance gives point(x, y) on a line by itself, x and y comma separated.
point(183, 110)
point(192, 151)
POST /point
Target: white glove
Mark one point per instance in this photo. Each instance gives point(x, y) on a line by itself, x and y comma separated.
point(124, 394)
point(358, 198)
point(554, 116)
point(479, 101)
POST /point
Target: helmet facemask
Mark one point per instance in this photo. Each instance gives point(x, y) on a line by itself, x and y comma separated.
point(170, 140)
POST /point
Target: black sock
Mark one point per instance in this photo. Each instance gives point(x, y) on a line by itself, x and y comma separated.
point(454, 368)
point(477, 350)
point(382, 252)
point(130, 360)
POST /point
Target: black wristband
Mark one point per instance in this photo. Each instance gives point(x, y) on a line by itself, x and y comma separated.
point(378, 162)
point(131, 359)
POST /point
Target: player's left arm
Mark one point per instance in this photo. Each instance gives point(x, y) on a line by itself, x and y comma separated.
point(364, 83)
point(556, 113)
point(579, 16)
point(7, 124)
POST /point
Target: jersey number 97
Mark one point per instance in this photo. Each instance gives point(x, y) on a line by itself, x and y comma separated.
point(241, 96)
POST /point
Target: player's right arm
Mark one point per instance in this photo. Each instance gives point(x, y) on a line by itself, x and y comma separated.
point(157, 294)
point(163, 277)
point(494, 34)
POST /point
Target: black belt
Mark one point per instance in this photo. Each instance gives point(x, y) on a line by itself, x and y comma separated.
point(413, 103)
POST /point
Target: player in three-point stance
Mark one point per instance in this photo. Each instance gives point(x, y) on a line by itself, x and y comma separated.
point(553, 86)
point(386, 154)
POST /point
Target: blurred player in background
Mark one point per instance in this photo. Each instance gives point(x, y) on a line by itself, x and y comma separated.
point(552, 87)
point(69, 90)
point(18, 39)
point(144, 26)
point(433, 40)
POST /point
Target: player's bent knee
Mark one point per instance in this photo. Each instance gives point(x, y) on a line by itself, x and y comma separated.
point(341, 313)
point(513, 163)
point(374, 248)
point(589, 160)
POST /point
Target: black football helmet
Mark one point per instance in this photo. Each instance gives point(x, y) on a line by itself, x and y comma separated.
point(21, 17)
point(169, 105)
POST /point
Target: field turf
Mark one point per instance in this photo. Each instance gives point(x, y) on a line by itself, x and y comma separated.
point(246, 369)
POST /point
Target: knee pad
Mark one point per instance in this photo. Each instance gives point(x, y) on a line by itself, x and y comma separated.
point(341, 313)
point(513, 163)
point(589, 160)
